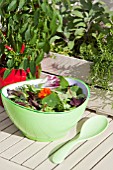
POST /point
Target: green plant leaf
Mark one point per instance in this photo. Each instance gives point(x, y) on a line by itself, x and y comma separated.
point(86, 4)
point(16, 18)
point(23, 28)
point(10, 63)
point(46, 47)
point(80, 24)
point(46, 29)
point(21, 65)
point(24, 64)
point(6, 73)
point(44, 6)
point(40, 44)
point(12, 6)
point(53, 24)
point(21, 3)
point(63, 82)
point(77, 20)
point(60, 26)
point(19, 37)
point(71, 45)
point(28, 34)
point(33, 67)
point(54, 38)
point(34, 38)
point(40, 57)
point(36, 17)
point(79, 31)
point(78, 14)
point(74, 88)
point(51, 100)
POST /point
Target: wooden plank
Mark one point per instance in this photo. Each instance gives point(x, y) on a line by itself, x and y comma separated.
point(96, 155)
point(3, 136)
point(4, 124)
point(40, 157)
point(13, 139)
point(19, 134)
point(105, 163)
point(78, 155)
point(17, 148)
point(101, 101)
point(1, 109)
point(67, 66)
point(3, 116)
point(7, 165)
point(29, 152)
point(7, 132)
point(11, 129)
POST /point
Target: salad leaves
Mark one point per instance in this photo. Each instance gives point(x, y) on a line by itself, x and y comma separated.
point(53, 95)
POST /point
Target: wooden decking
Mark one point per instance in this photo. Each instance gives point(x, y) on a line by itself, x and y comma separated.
point(20, 153)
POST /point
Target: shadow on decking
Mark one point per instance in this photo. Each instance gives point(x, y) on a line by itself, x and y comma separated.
point(67, 66)
point(101, 101)
point(78, 71)
point(7, 126)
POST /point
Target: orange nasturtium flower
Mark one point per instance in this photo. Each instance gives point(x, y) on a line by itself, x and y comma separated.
point(44, 92)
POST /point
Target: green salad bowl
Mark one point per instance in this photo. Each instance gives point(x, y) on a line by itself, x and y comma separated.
point(43, 126)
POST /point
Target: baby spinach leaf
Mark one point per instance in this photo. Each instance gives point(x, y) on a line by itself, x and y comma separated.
point(52, 100)
point(63, 82)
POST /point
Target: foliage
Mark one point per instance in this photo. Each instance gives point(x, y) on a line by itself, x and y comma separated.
point(58, 99)
point(82, 28)
point(87, 33)
point(80, 20)
point(102, 57)
point(26, 30)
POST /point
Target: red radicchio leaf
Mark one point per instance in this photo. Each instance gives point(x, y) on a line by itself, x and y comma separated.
point(21, 103)
point(52, 81)
point(31, 95)
point(34, 103)
point(76, 102)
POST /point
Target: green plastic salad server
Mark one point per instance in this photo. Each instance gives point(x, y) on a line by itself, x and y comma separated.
point(91, 128)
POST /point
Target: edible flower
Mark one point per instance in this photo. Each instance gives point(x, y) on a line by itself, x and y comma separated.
point(44, 92)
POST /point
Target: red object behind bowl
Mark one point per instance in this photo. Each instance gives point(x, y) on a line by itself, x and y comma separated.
point(13, 77)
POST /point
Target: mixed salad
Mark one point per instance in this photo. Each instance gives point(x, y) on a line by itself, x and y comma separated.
point(53, 94)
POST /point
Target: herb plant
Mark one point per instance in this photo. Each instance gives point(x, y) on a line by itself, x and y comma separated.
point(81, 19)
point(102, 58)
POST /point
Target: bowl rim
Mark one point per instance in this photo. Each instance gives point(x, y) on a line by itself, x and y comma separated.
point(37, 111)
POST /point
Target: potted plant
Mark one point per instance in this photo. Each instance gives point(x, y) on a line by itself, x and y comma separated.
point(46, 109)
point(25, 33)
